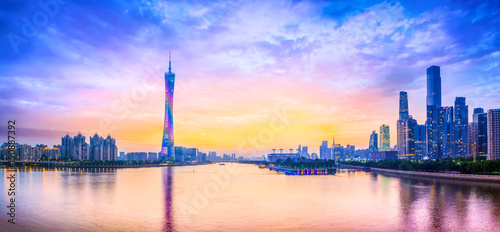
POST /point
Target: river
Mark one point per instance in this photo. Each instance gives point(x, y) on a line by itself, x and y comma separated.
point(242, 197)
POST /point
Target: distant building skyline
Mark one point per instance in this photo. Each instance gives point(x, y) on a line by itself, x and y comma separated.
point(74, 148)
point(99, 148)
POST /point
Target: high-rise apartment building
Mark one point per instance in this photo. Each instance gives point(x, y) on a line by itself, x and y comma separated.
point(80, 149)
point(103, 149)
point(66, 147)
point(99, 149)
point(493, 134)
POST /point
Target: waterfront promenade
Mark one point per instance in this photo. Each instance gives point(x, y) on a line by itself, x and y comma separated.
point(456, 176)
point(440, 175)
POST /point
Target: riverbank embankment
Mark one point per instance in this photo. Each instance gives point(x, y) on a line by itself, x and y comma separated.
point(440, 175)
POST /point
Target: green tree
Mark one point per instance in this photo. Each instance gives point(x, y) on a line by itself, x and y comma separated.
point(406, 166)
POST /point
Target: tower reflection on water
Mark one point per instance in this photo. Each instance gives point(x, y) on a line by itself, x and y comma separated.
point(167, 191)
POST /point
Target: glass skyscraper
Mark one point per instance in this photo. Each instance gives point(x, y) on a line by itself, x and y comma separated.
point(482, 134)
point(433, 107)
point(419, 141)
point(434, 86)
point(403, 105)
point(406, 138)
point(473, 137)
point(446, 132)
point(406, 130)
point(461, 121)
point(167, 147)
point(373, 146)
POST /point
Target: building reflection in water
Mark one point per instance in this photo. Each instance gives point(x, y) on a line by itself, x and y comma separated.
point(167, 190)
point(443, 205)
point(374, 176)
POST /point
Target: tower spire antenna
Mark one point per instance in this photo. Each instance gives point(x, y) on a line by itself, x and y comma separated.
point(169, 61)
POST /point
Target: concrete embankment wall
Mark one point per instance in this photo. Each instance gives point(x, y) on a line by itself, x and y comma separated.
point(490, 178)
point(354, 167)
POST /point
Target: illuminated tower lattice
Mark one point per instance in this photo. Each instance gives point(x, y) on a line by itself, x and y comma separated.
point(167, 147)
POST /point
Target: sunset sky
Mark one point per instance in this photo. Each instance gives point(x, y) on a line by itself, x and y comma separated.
point(330, 69)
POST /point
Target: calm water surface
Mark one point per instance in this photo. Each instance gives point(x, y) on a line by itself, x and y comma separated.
point(242, 197)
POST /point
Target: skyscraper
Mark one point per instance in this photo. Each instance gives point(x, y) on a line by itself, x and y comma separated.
point(477, 111)
point(373, 146)
point(482, 135)
point(433, 105)
point(419, 141)
point(102, 148)
point(324, 151)
point(403, 105)
point(338, 152)
point(406, 127)
point(350, 151)
point(110, 149)
point(434, 86)
point(385, 137)
point(66, 147)
point(461, 122)
point(167, 147)
point(406, 138)
point(180, 154)
point(473, 136)
point(80, 148)
point(494, 134)
point(446, 132)
point(96, 147)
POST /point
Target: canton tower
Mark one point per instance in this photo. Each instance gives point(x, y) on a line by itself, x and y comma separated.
point(167, 147)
